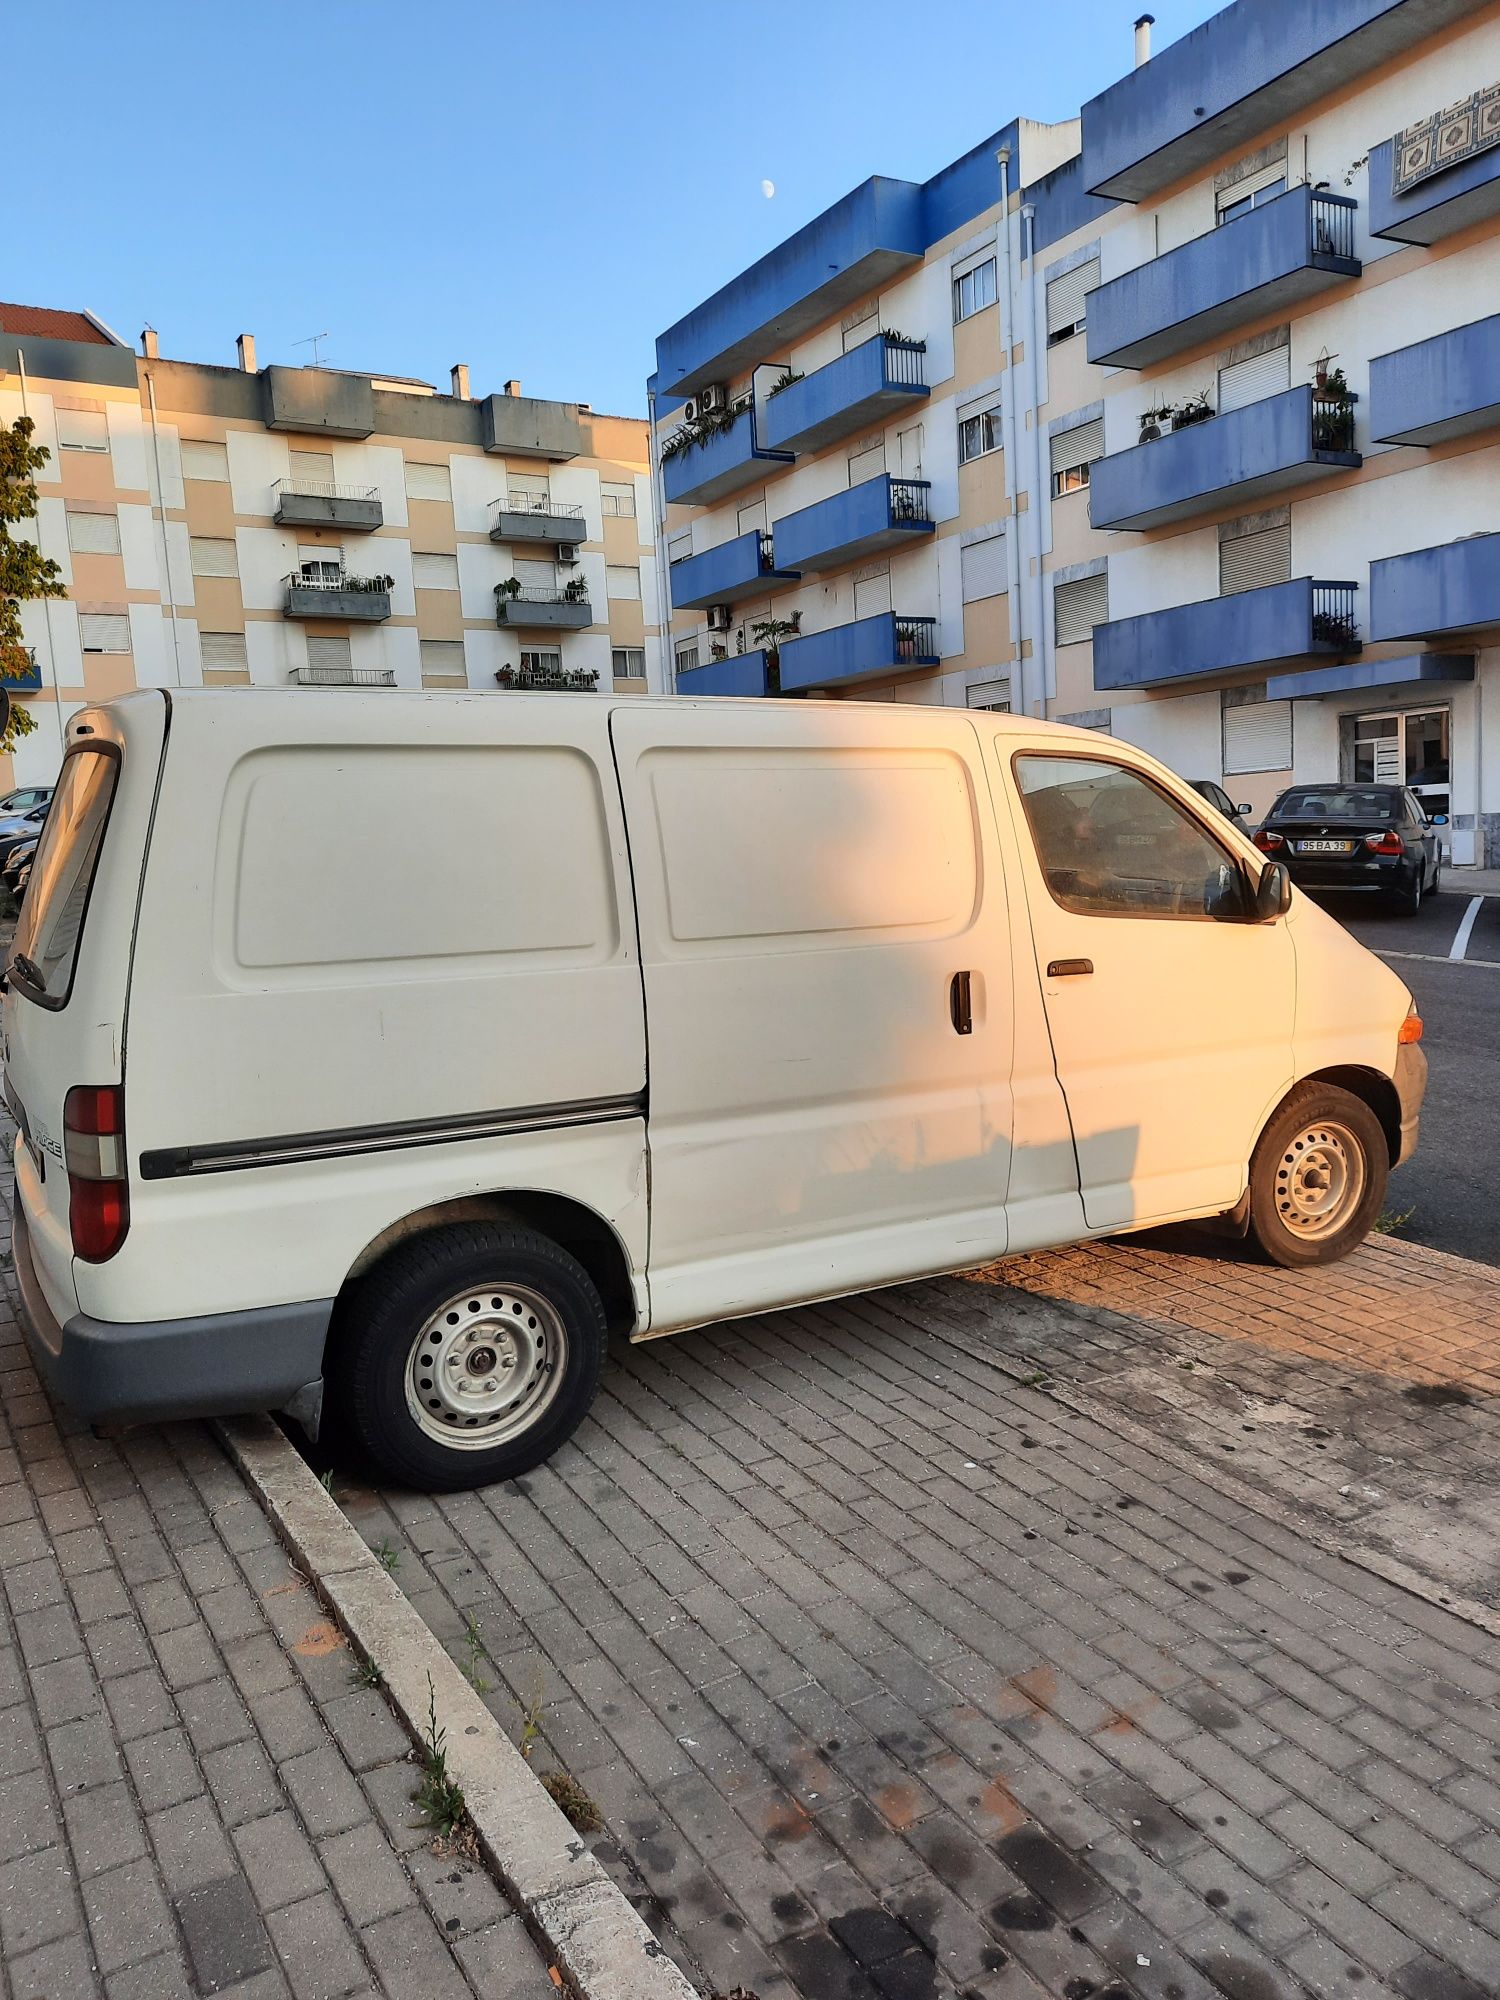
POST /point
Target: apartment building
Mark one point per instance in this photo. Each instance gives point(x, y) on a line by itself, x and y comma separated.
point(258, 527)
point(1239, 398)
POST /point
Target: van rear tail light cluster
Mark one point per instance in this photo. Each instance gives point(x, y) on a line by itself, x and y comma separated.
point(94, 1154)
point(1411, 1028)
point(1269, 843)
point(1389, 842)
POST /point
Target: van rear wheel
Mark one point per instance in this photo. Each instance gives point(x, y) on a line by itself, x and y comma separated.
point(1317, 1177)
point(467, 1355)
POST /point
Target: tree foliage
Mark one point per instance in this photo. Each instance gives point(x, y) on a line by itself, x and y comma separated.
point(25, 573)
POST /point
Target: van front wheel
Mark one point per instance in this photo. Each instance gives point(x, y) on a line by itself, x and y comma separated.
point(467, 1355)
point(1317, 1178)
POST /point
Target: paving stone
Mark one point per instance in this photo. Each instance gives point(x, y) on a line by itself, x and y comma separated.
point(278, 1859)
point(318, 1954)
point(370, 1881)
point(223, 1930)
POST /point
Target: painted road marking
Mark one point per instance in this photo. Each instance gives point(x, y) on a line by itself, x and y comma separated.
point(1432, 958)
point(1465, 930)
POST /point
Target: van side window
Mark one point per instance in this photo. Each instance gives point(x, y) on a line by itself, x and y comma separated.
point(1111, 844)
point(62, 875)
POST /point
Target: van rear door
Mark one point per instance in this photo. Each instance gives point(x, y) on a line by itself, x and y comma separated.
point(69, 965)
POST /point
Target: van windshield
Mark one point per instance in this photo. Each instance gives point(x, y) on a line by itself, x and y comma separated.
point(57, 899)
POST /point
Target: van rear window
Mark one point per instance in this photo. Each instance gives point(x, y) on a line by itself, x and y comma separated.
point(45, 950)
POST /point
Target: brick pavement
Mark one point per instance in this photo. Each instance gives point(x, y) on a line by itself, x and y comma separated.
point(194, 1797)
point(895, 1675)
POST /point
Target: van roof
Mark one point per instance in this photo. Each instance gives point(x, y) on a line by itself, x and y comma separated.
point(381, 700)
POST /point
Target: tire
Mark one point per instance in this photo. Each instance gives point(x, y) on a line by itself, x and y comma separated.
point(1408, 902)
point(1320, 1136)
point(408, 1334)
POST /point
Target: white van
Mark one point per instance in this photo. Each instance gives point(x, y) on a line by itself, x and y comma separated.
point(392, 1049)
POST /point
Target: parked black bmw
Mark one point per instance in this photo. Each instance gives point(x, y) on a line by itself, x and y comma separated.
point(1374, 837)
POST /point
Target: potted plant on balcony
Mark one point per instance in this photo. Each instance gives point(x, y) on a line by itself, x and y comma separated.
point(1196, 410)
point(510, 588)
point(768, 634)
point(576, 590)
point(1335, 628)
point(784, 381)
point(1152, 421)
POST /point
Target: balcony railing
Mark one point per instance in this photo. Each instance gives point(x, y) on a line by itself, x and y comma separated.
point(1427, 593)
point(701, 466)
point(342, 677)
point(745, 566)
point(312, 503)
point(536, 606)
point(1276, 625)
point(1437, 389)
point(334, 593)
point(852, 393)
point(534, 517)
point(886, 643)
point(558, 680)
point(1299, 243)
point(28, 681)
point(735, 674)
point(879, 513)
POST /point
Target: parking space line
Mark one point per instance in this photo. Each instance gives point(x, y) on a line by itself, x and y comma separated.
point(1465, 929)
point(1435, 958)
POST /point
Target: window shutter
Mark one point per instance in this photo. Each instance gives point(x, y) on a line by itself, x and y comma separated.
point(1251, 381)
point(443, 659)
point(867, 464)
point(1253, 561)
point(533, 484)
point(93, 534)
point(211, 557)
point(428, 482)
point(983, 566)
point(1250, 184)
point(1065, 295)
point(622, 582)
point(223, 651)
point(328, 651)
point(202, 460)
point(434, 572)
point(1079, 446)
point(1079, 606)
point(993, 695)
point(536, 575)
point(680, 546)
point(872, 595)
point(83, 430)
point(1257, 737)
point(313, 468)
point(104, 631)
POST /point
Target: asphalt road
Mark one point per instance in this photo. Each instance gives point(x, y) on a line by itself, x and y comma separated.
point(1450, 1192)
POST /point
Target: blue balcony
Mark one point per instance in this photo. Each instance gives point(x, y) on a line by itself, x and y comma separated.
point(741, 673)
point(877, 514)
point(1272, 627)
point(1249, 69)
point(858, 392)
point(1406, 670)
point(1433, 205)
point(28, 680)
point(836, 258)
point(884, 644)
point(725, 461)
point(1298, 244)
point(1452, 588)
point(1233, 459)
point(1438, 389)
point(744, 567)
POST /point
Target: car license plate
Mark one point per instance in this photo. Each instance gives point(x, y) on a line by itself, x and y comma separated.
point(1325, 846)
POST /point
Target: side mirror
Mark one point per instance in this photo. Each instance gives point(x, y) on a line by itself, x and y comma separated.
point(1273, 892)
point(1438, 819)
point(1244, 810)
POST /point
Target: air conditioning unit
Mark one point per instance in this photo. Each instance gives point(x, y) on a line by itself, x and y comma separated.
point(690, 410)
point(567, 552)
point(714, 397)
point(720, 617)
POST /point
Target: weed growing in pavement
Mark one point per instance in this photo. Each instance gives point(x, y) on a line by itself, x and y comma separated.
point(439, 1797)
point(367, 1674)
point(1389, 1221)
point(325, 1480)
point(387, 1554)
point(531, 1719)
point(474, 1647)
point(565, 1792)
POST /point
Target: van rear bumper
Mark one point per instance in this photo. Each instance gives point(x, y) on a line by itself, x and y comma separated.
point(217, 1366)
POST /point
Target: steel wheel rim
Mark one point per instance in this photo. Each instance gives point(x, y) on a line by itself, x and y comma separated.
point(485, 1367)
point(1320, 1180)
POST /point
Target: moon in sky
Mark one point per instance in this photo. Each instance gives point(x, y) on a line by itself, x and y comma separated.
point(768, 188)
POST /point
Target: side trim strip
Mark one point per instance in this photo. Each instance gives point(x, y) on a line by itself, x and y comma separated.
point(173, 1162)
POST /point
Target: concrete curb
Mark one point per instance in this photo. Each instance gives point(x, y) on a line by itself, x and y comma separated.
point(571, 1906)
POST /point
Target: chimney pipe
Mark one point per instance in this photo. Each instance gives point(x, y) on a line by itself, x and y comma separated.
point(459, 376)
point(150, 345)
point(1143, 39)
point(245, 348)
point(512, 387)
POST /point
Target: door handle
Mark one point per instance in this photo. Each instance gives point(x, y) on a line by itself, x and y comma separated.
point(960, 1004)
point(1069, 968)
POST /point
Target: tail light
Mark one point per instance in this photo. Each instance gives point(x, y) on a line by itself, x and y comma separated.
point(1389, 842)
point(1268, 843)
point(94, 1153)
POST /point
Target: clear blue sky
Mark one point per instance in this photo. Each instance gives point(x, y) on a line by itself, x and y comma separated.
point(536, 190)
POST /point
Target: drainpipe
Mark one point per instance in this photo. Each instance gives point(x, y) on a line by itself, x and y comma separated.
point(663, 585)
point(47, 603)
point(1041, 482)
point(161, 508)
point(1008, 424)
